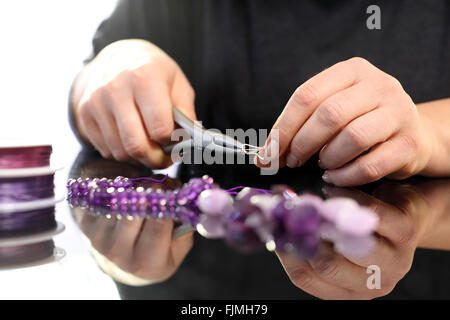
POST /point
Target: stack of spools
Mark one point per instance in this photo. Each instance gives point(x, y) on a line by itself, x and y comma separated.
point(27, 206)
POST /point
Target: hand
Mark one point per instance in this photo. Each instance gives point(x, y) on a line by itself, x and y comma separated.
point(404, 216)
point(122, 102)
point(347, 110)
point(137, 252)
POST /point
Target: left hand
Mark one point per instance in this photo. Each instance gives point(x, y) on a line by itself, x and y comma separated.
point(346, 110)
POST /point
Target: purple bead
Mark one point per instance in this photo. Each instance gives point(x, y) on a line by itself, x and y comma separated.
point(211, 227)
point(305, 246)
point(303, 217)
point(215, 202)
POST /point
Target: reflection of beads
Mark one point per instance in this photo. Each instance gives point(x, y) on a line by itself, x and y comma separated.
point(120, 197)
point(281, 220)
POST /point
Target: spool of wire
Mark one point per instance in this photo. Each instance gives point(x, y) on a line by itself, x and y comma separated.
point(25, 254)
point(28, 222)
point(27, 206)
point(25, 157)
point(21, 189)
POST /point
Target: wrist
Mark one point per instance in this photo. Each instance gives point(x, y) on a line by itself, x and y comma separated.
point(433, 163)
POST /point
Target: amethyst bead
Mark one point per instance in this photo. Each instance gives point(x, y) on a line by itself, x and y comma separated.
point(215, 202)
point(302, 215)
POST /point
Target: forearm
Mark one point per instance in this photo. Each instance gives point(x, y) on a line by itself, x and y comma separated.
point(436, 118)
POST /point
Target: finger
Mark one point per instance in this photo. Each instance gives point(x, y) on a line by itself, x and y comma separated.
point(100, 110)
point(181, 246)
point(134, 137)
point(304, 277)
point(152, 247)
point(153, 100)
point(358, 136)
point(118, 244)
point(313, 92)
point(89, 126)
point(329, 118)
point(384, 159)
point(337, 270)
point(394, 225)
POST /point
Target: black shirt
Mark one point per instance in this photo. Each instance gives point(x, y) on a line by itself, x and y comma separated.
point(244, 58)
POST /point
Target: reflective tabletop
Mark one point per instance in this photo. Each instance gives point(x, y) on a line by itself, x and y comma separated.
point(139, 259)
point(412, 252)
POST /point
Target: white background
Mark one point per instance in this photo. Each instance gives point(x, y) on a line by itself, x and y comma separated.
point(42, 46)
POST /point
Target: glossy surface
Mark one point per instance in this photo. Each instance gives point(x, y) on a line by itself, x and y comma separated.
point(414, 218)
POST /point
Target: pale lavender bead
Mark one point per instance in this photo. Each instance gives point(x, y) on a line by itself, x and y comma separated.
point(357, 222)
point(328, 231)
point(211, 227)
point(355, 246)
point(215, 202)
point(332, 207)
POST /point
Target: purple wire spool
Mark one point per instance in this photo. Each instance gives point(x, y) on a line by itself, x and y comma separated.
point(27, 222)
point(26, 254)
point(22, 189)
point(25, 157)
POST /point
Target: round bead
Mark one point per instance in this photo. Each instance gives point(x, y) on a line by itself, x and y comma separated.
point(215, 202)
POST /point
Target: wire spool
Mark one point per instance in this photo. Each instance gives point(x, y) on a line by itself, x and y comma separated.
point(25, 254)
point(25, 157)
point(27, 206)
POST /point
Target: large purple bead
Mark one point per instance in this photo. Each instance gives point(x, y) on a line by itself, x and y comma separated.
point(303, 217)
point(215, 202)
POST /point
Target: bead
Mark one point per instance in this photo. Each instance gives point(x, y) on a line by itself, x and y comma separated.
point(211, 227)
point(333, 206)
point(357, 222)
point(215, 202)
point(303, 217)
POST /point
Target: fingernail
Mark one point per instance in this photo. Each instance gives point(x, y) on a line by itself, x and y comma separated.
point(326, 177)
point(320, 164)
point(291, 161)
point(269, 152)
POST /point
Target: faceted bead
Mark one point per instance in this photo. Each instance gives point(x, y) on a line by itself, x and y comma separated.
point(304, 215)
point(215, 202)
point(357, 222)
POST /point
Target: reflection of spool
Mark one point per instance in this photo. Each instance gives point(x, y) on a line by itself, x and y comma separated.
point(24, 254)
point(27, 206)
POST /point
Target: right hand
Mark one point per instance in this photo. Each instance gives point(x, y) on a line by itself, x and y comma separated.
point(122, 102)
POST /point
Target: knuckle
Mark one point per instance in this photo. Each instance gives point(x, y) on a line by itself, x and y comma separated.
point(119, 155)
point(330, 113)
point(161, 133)
point(357, 136)
point(369, 171)
point(304, 96)
point(302, 278)
point(327, 267)
point(135, 148)
point(359, 62)
point(407, 235)
point(409, 142)
point(297, 148)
